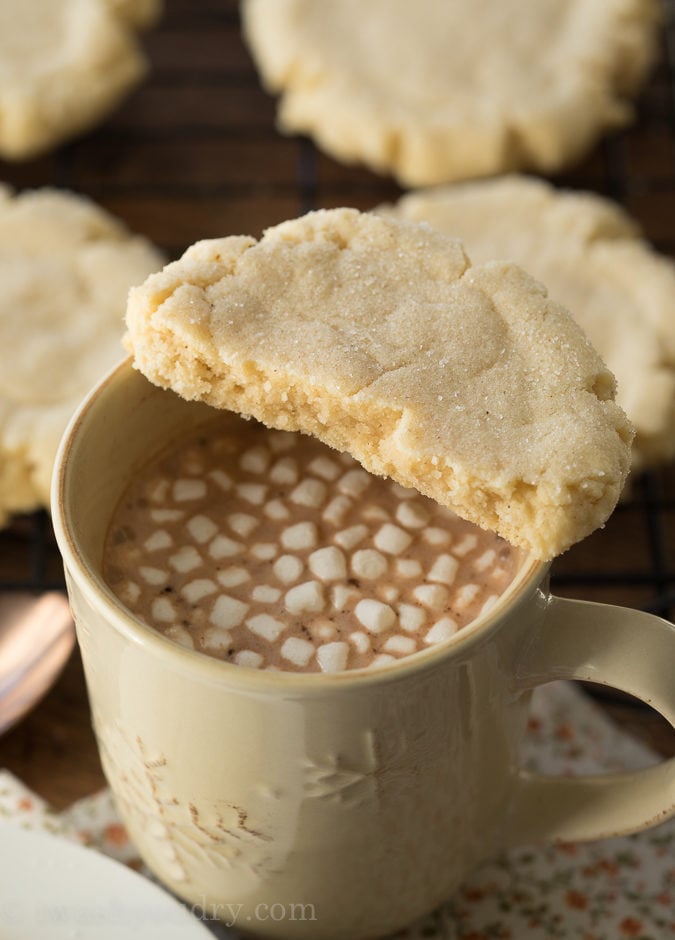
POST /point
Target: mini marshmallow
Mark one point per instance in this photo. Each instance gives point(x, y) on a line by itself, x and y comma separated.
point(184, 490)
point(154, 576)
point(253, 493)
point(185, 559)
point(224, 547)
point(310, 493)
point(408, 568)
point(372, 513)
point(410, 617)
point(201, 528)
point(248, 658)
point(265, 594)
point(466, 545)
point(374, 615)
point(232, 577)
point(255, 460)
point(297, 651)
point(264, 551)
point(221, 479)
point(288, 568)
point(369, 564)
point(431, 595)
point(360, 641)
point(332, 657)
point(392, 539)
point(444, 569)
point(341, 595)
point(180, 635)
point(276, 510)
point(130, 592)
point(466, 595)
point(382, 659)
point(400, 645)
point(388, 593)
point(328, 564)
point(435, 536)
point(323, 630)
point(351, 537)
point(216, 639)
point(300, 536)
point(157, 541)
point(228, 612)
point(243, 523)
point(336, 510)
point(195, 590)
point(412, 515)
point(265, 626)
point(305, 596)
point(486, 560)
point(163, 610)
point(284, 471)
point(354, 482)
point(324, 467)
point(442, 630)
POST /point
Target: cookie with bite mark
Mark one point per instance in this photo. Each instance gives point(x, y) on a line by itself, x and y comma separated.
point(380, 338)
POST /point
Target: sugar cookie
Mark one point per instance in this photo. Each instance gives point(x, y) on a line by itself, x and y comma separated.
point(440, 90)
point(66, 267)
point(380, 338)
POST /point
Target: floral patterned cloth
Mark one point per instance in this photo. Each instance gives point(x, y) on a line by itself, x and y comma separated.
point(609, 890)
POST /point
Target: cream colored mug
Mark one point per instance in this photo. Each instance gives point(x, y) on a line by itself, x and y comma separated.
point(333, 806)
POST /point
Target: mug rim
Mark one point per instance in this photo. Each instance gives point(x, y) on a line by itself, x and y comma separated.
point(90, 581)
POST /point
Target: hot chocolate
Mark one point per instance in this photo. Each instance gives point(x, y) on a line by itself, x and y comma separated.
point(269, 550)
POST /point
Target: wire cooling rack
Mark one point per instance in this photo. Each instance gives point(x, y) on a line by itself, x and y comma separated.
point(194, 153)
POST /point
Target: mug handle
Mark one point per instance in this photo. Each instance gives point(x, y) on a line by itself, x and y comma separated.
point(614, 646)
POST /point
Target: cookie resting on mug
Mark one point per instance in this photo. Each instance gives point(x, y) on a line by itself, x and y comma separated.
point(464, 382)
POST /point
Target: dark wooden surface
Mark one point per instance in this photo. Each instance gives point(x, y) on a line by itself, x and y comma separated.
point(194, 153)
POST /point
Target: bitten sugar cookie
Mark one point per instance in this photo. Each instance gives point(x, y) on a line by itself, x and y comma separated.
point(587, 252)
point(439, 90)
point(63, 65)
point(65, 267)
point(379, 338)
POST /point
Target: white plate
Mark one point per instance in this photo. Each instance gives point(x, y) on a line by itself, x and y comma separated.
point(50, 887)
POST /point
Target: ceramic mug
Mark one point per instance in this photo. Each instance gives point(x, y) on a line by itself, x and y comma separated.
point(333, 806)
